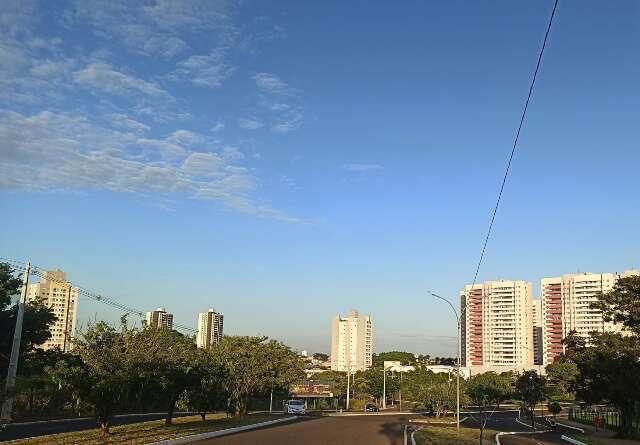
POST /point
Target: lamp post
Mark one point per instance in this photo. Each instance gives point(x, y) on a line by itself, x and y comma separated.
point(458, 364)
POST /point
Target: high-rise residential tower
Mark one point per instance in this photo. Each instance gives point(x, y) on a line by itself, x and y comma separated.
point(538, 348)
point(210, 325)
point(55, 292)
point(566, 307)
point(497, 324)
point(160, 318)
point(351, 342)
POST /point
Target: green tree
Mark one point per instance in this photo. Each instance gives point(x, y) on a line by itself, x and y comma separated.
point(165, 360)
point(283, 366)
point(609, 370)
point(530, 390)
point(36, 322)
point(248, 368)
point(554, 408)
point(321, 356)
point(622, 303)
point(209, 394)
point(405, 358)
point(488, 391)
point(101, 375)
point(561, 378)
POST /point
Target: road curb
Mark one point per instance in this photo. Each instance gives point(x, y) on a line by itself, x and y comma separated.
point(221, 433)
point(572, 440)
point(570, 427)
point(509, 433)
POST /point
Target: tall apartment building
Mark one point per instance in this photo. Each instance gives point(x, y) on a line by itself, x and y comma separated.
point(566, 302)
point(497, 324)
point(210, 326)
point(160, 318)
point(351, 342)
point(538, 348)
point(57, 293)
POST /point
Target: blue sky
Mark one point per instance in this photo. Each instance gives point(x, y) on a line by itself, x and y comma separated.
point(286, 161)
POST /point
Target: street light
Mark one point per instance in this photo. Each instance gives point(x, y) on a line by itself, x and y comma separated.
point(458, 364)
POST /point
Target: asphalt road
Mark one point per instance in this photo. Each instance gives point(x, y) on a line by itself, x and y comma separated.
point(352, 430)
point(18, 431)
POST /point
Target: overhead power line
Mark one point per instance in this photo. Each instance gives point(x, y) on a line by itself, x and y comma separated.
point(39, 272)
point(515, 143)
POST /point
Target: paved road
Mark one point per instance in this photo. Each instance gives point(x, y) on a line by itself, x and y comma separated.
point(506, 421)
point(44, 428)
point(352, 430)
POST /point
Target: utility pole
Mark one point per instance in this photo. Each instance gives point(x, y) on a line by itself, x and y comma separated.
point(384, 386)
point(348, 382)
point(15, 347)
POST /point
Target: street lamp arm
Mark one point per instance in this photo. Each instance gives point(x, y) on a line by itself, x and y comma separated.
point(455, 311)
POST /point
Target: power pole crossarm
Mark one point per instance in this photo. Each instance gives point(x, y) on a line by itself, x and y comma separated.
point(7, 406)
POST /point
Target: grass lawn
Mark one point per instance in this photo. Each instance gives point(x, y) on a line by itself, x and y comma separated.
point(147, 432)
point(445, 435)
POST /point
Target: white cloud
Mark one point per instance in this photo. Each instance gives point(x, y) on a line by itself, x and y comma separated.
point(270, 83)
point(249, 124)
point(282, 100)
point(68, 152)
point(205, 71)
point(217, 127)
point(101, 76)
point(362, 167)
point(203, 164)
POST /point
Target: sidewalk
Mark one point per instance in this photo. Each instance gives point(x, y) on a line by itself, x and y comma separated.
point(606, 437)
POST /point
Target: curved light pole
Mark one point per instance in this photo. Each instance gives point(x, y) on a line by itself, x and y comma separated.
point(458, 364)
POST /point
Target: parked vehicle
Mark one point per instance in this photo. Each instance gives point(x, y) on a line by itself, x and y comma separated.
point(294, 407)
point(370, 408)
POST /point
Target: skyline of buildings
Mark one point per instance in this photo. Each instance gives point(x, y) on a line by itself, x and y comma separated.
point(502, 325)
point(351, 342)
point(56, 292)
point(210, 328)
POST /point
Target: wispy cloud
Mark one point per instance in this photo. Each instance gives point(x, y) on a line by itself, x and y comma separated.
point(362, 167)
point(282, 101)
point(103, 77)
point(69, 152)
point(249, 124)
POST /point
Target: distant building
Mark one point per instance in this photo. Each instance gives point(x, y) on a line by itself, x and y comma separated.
point(210, 326)
point(496, 324)
point(351, 342)
point(537, 332)
point(304, 353)
point(56, 293)
point(160, 319)
point(566, 307)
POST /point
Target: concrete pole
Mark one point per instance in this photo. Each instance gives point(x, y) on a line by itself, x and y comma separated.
point(7, 406)
point(384, 386)
point(348, 383)
point(458, 381)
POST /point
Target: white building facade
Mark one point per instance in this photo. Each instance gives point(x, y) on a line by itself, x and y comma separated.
point(566, 307)
point(351, 342)
point(497, 324)
point(56, 293)
point(210, 328)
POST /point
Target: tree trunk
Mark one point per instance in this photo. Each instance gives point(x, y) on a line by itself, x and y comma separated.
point(104, 428)
point(172, 406)
point(533, 418)
point(203, 415)
point(481, 434)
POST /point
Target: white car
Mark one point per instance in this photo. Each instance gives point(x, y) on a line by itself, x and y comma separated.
point(294, 407)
